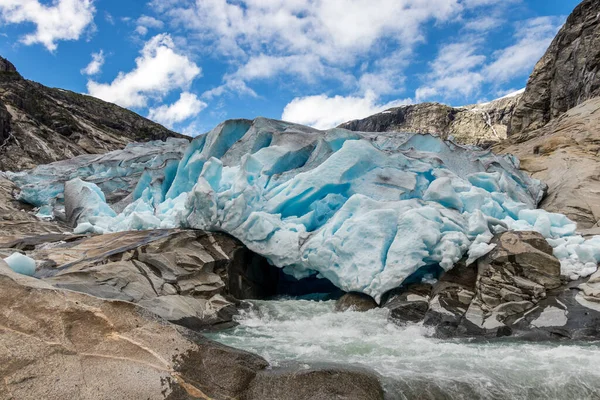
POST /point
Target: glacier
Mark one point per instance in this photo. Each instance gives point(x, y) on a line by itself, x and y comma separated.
point(363, 210)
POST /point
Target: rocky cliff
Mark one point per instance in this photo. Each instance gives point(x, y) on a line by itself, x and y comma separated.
point(567, 75)
point(480, 124)
point(39, 125)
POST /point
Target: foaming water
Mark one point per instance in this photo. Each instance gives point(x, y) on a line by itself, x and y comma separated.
point(411, 363)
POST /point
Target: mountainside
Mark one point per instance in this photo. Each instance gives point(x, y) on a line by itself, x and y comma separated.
point(481, 124)
point(39, 125)
point(567, 75)
point(565, 154)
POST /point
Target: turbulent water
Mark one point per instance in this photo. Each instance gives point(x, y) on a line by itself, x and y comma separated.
point(411, 363)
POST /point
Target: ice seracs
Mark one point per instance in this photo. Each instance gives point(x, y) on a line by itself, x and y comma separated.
point(364, 210)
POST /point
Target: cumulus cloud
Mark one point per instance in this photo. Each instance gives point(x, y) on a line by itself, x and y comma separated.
point(460, 69)
point(324, 112)
point(183, 109)
point(532, 39)
point(145, 23)
point(159, 69)
point(311, 39)
point(62, 20)
point(95, 66)
point(453, 72)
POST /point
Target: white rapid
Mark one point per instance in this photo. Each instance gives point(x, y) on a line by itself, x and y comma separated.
point(412, 364)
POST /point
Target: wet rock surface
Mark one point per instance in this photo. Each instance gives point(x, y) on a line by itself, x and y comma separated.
point(61, 344)
point(356, 302)
point(515, 290)
point(320, 382)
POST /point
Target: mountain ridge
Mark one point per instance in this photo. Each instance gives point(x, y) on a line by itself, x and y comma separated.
point(39, 125)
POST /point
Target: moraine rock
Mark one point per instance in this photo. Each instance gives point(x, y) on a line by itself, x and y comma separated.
point(481, 124)
point(515, 290)
point(182, 276)
point(410, 304)
point(40, 125)
point(450, 299)
point(567, 75)
point(511, 280)
point(355, 301)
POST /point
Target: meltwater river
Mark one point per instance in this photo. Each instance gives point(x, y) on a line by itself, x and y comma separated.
point(412, 364)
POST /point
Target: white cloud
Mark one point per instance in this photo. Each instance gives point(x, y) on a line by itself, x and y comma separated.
point(313, 39)
point(533, 38)
point(145, 23)
point(460, 70)
point(183, 109)
point(323, 112)
point(95, 66)
point(453, 72)
point(62, 20)
point(159, 70)
point(483, 24)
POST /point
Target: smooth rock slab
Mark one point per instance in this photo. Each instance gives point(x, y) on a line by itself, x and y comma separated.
point(57, 344)
point(354, 301)
point(321, 382)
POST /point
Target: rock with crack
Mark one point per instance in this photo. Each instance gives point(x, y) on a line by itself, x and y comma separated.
point(564, 154)
point(515, 290)
point(410, 304)
point(183, 276)
point(450, 299)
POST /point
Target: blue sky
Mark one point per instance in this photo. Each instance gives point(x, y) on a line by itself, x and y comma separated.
point(189, 64)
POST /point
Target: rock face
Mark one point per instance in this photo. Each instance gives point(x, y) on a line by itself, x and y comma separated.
point(482, 124)
point(39, 125)
point(182, 276)
point(57, 344)
point(565, 154)
point(567, 75)
point(515, 290)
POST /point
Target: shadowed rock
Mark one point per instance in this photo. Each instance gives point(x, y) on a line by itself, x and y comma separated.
point(355, 301)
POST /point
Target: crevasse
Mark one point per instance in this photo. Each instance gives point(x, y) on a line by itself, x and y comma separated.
point(364, 210)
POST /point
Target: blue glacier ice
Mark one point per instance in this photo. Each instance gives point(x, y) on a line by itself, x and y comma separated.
point(116, 173)
point(21, 264)
point(364, 210)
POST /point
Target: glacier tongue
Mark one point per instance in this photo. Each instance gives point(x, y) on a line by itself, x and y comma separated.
point(363, 210)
